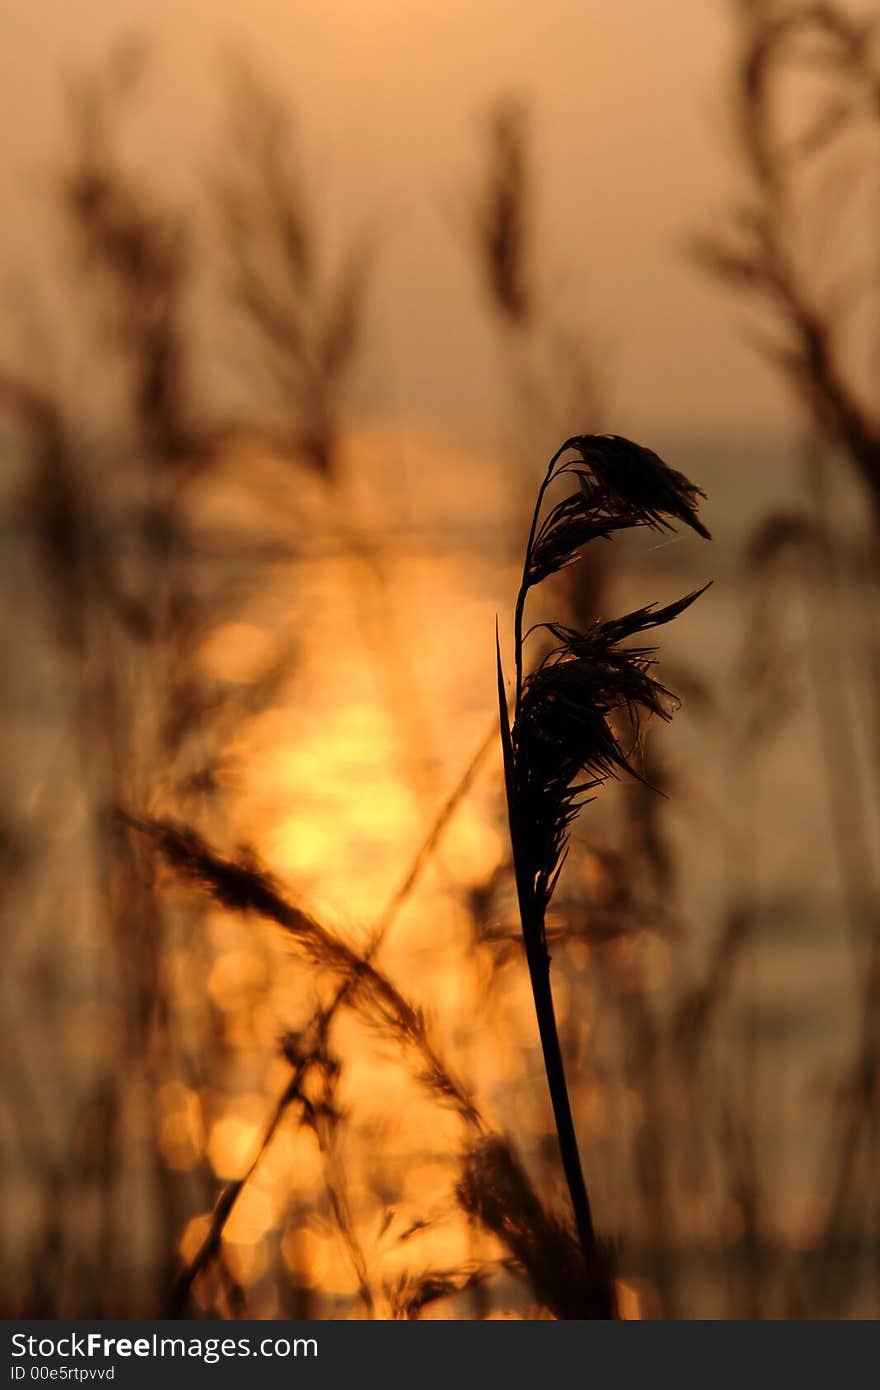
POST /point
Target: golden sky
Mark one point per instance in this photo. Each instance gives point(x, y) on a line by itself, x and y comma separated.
point(630, 134)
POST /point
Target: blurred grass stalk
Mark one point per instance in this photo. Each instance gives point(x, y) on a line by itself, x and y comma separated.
point(768, 252)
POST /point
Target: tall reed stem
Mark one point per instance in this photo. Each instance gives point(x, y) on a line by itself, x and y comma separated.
point(537, 955)
point(539, 974)
point(561, 745)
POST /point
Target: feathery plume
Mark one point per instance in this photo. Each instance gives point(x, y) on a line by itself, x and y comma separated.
point(561, 745)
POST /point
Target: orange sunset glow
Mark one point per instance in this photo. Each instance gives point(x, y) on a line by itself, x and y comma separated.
point(312, 312)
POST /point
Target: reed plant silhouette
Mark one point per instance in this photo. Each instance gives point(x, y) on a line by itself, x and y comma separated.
point(560, 746)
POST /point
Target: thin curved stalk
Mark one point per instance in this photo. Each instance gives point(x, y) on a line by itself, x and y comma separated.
point(561, 745)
